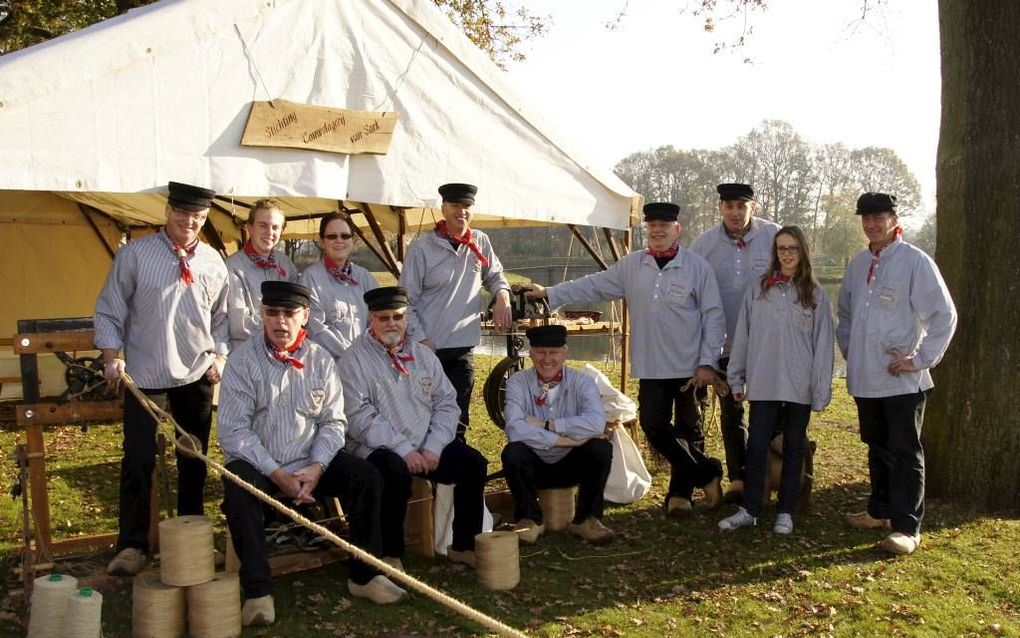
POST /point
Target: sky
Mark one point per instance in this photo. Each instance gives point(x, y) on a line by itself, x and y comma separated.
point(653, 80)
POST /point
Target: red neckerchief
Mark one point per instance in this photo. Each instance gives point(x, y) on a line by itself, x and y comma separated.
point(542, 398)
point(263, 262)
point(283, 356)
point(340, 274)
point(465, 240)
point(669, 253)
point(183, 253)
point(741, 244)
point(396, 356)
point(777, 278)
point(876, 254)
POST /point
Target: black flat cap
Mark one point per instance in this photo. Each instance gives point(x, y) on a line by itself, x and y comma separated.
point(547, 336)
point(386, 298)
point(870, 203)
point(459, 193)
point(188, 197)
point(735, 191)
point(663, 211)
point(284, 294)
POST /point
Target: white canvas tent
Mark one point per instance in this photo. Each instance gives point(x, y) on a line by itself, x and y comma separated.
point(94, 124)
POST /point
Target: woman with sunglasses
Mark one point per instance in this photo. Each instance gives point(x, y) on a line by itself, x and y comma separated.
point(338, 311)
point(781, 360)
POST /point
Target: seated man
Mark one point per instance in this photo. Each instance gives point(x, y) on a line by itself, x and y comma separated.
point(556, 427)
point(281, 425)
point(403, 417)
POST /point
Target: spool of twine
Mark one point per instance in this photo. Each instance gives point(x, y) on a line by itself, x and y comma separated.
point(84, 614)
point(557, 507)
point(186, 551)
point(157, 609)
point(497, 560)
point(214, 608)
point(50, 596)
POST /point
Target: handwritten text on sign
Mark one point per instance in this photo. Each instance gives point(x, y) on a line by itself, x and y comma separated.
point(291, 125)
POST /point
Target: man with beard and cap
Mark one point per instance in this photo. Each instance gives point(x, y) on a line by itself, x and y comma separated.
point(555, 424)
point(444, 273)
point(282, 427)
point(896, 319)
point(677, 333)
point(258, 261)
point(738, 250)
point(403, 415)
point(164, 304)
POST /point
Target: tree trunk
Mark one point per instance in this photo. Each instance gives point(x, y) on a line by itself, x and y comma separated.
point(972, 434)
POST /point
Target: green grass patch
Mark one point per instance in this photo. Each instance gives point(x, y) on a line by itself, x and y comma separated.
point(661, 578)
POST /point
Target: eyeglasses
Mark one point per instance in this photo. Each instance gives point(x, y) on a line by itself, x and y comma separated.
point(396, 316)
point(335, 236)
point(289, 313)
point(787, 250)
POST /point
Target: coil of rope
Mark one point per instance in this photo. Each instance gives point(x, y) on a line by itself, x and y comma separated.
point(188, 445)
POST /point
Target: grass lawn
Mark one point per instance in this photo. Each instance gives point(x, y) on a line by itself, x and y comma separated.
point(661, 578)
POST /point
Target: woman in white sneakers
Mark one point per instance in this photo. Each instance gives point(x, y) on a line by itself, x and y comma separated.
point(781, 360)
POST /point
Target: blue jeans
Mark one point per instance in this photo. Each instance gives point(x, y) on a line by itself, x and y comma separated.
point(764, 415)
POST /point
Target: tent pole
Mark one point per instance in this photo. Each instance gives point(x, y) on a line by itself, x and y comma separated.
point(211, 236)
point(625, 328)
point(401, 232)
point(613, 247)
point(85, 212)
point(373, 223)
point(361, 235)
point(587, 245)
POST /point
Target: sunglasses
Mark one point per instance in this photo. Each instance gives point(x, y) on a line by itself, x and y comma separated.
point(396, 316)
point(335, 236)
point(289, 313)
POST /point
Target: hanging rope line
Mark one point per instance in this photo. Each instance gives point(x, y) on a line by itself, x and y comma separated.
point(190, 446)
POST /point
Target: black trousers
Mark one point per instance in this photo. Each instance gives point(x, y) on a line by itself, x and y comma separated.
point(733, 428)
point(586, 466)
point(354, 481)
point(690, 467)
point(191, 407)
point(765, 416)
point(891, 426)
point(460, 465)
point(459, 366)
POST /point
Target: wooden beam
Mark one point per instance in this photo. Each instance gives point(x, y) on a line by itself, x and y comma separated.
point(613, 248)
point(211, 236)
point(69, 341)
point(361, 235)
point(587, 246)
point(625, 337)
point(377, 230)
point(401, 214)
point(32, 414)
point(102, 238)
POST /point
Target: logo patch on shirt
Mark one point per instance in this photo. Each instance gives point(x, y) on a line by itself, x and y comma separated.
point(678, 289)
point(426, 385)
point(318, 395)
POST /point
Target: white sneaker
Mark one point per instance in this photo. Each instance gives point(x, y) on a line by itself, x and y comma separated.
point(741, 519)
point(784, 524)
point(901, 544)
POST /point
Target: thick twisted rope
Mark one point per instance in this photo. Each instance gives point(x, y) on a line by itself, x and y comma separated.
point(190, 446)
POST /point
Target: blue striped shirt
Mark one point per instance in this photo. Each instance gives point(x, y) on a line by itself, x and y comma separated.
point(169, 331)
point(244, 299)
point(338, 310)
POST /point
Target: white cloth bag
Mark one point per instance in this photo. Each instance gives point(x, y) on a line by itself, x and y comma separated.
point(442, 516)
point(629, 479)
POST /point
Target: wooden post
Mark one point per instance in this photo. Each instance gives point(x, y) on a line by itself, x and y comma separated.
point(95, 229)
point(373, 223)
point(587, 246)
point(625, 337)
point(401, 214)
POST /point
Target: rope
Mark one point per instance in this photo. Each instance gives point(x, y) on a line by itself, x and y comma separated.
point(192, 448)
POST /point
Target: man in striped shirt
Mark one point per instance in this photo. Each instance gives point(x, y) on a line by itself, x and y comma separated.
point(255, 263)
point(164, 304)
point(403, 418)
point(282, 427)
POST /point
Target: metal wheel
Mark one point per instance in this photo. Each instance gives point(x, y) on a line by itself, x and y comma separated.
point(494, 390)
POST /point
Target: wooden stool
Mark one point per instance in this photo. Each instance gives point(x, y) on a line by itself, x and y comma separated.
point(419, 524)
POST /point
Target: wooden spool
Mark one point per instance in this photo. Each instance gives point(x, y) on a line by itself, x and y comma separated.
point(557, 507)
point(214, 608)
point(497, 560)
point(157, 609)
point(186, 551)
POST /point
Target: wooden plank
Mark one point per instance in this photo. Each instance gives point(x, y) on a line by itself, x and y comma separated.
point(284, 124)
point(36, 449)
point(69, 341)
point(419, 525)
point(80, 544)
point(29, 414)
point(301, 561)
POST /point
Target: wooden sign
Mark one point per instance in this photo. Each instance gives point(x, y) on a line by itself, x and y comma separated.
point(320, 128)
